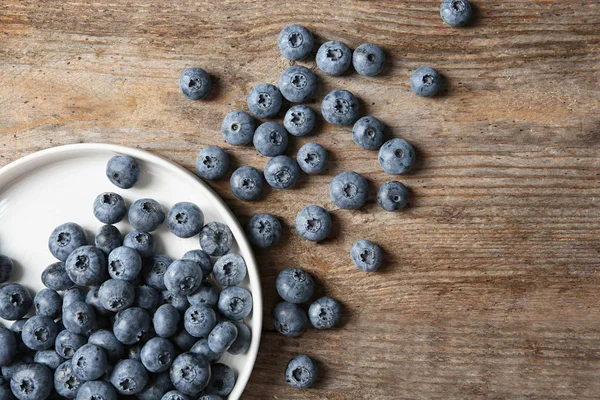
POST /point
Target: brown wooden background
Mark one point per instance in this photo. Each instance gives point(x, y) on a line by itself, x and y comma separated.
point(491, 285)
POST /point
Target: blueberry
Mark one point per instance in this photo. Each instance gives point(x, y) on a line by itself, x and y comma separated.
point(334, 58)
point(17, 326)
point(146, 297)
point(132, 325)
point(207, 294)
point(166, 320)
point(289, 319)
point(201, 347)
point(202, 259)
point(48, 302)
point(212, 163)
point(179, 301)
point(264, 230)
point(108, 238)
point(8, 346)
point(295, 42)
point(325, 313)
point(6, 268)
point(39, 332)
point(93, 299)
point(55, 277)
point(211, 397)
point(294, 285)
point(79, 317)
point(392, 196)
point(129, 377)
point(299, 120)
point(72, 295)
point(195, 83)
point(230, 270)
point(297, 84)
point(313, 223)
point(456, 12)
point(67, 343)
point(216, 239)
point(116, 295)
point(86, 266)
point(368, 59)
point(146, 215)
point(15, 301)
point(109, 208)
point(312, 158)
point(106, 340)
point(143, 242)
point(396, 156)
point(49, 358)
point(366, 255)
point(237, 128)
point(270, 139)
point(301, 372)
point(66, 383)
point(349, 190)
point(183, 277)
point(157, 354)
point(246, 183)
point(222, 380)
point(282, 172)
point(368, 133)
point(264, 100)
point(242, 342)
point(96, 390)
point(185, 219)
point(425, 82)
point(199, 320)
point(175, 395)
point(157, 387)
point(89, 362)
point(124, 263)
point(340, 107)
point(123, 171)
point(65, 239)
point(154, 269)
point(190, 373)
point(235, 303)
point(9, 370)
point(183, 340)
point(33, 382)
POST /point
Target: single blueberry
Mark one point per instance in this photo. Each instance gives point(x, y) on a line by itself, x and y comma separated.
point(8, 346)
point(157, 355)
point(129, 377)
point(235, 303)
point(175, 395)
point(294, 285)
point(366, 255)
point(340, 107)
point(15, 301)
point(32, 382)
point(195, 83)
point(179, 301)
point(66, 383)
point(109, 343)
point(349, 190)
point(425, 82)
point(154, 269)
point(237, 129)
point(146, 297)
point(199, 320)
point(456, 12)
point(312, 158)
point(313, 223)
point(297, 84)
point(210, 397)
point(264, 100)
point(65, 238)
point(166, 320)
point(124, 263)
point(242, 342)
point(282, 172)
point(109, 208)
point(216, 239)
point(132, 325)
point(89, 362)
point(6, 268)
point(301, 372)
point(185, 219)
point(396, 156)
point(86, 266)
point(183, 340)
point(49, 358)
point(207, 294)
point(212, 163)
point(55, 277)
point(289, 319)
point(246, 183)
point(295, 42)
point(116, 295)
point(96, 390)
point(39, 332)
point(72, 295)
point(264, 230)
point(183, 277)
point(202, 259)
point(368, 59)
point(299, 120)
point(325, 313)
point(123, 171)
point(48, 302)
point(270, 139)
point(79, 318)
point(334, 58)
point(222, 380)
point(230, 270)
point(201, 347)
point(190, 373)
point(368, 133)
point(108, 238)
point(146, 215)
point(392, 196)
point(67, 343)
point(156, 388)
point(143, 242)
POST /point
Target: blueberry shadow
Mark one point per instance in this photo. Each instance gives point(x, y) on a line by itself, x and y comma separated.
point(336, 230)
point(18, 271)
point(476, 16)
point(419, 164)
point(346, 313)
point(444, 87)
point(388, 66)
point(323, 373)
point(363, 108)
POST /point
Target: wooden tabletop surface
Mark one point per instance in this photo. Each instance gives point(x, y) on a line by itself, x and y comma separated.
point(491, 282)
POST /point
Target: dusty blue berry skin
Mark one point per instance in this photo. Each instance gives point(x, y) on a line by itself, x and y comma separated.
point(294, 285)
point(55, 277)
point(242, 342)
point(142, 242)
point(282, 172)
point(175, 395)
point(8, 346)
point(210, 397)
point(154, 269)
point(39, 332)
point(109, 208)
point(230, 270)
point(199, 320)
point(368, 133)
point(166, 320)
point(9, 370)
point(89, 362)
point(368, 59)
point(179, 301)
point(207, 294)
point(392, 196)
point(157, 354)
point(295, 42)
point(456, 12)
point(235, 303)
point(185, 219)
point(6, 268)
point(425, 82)
point(264, 100)
point(65, 238)
point(124, 263)
point(297, 84)
point(49, 358)
point(222, 336)
point(96, 390)
point(33, 382)
point(313, 223)
point(146, 297)
point(48, 302)
point(325, 313)
point(222, 380)
point(108, 238)
point(237, 128)
point(289, 319)
point(301, 372)
point(123, 171)
point(216, 239)
point(106, 340)
point(340, 107)
point(264, 230)
point(366, 255)
point(158, 385)
point(270, 139)
point(132, 325)
point(146, 215)
point(299, 120)
point(246, 183)
point(72, 295)
point(86, 266)
point(334, 58)
point(15, 301)
point(349, 190)
point(67, 343)
point(212, 163)
point(116, 295)
point(93, 299)
point(183, 340)
point(190, 373)
point(396, 156)
point(79, 318)
point(66, 383)
point(195, 83)
point(183, 277)
point(202, 259)
point(201, 347)
point(129, 377)
point(312, 158)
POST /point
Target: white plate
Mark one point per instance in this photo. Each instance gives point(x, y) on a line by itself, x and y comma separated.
point(57, 185)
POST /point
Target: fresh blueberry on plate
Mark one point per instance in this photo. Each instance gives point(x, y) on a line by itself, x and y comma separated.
point(230, 270)
point(185, 219)
point(235, 303)
point(123, 171)
point(65, 239)
point(109, 208)
point(146, 215)
point(216, 239)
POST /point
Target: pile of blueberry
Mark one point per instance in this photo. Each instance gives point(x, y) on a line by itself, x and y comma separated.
point(116, 319)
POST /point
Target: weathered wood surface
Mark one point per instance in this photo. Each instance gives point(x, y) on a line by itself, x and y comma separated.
point(491, 287)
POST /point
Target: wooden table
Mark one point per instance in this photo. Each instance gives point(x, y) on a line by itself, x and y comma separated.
point(491, 284)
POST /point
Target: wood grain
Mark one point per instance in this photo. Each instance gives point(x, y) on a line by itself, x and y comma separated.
point(491, 283)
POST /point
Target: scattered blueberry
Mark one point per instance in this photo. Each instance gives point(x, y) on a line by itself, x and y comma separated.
point(366, 255)
point(116, 295)
point(183, 277)
point(67, 343)
point(264, 230)
point(299, 120)
point(55, 277)
point(185, 219)
point(207, 294)
point(235, 303)
point(201, 258)
point(295, 42)
point(66, 383)
point(132, 325)
point(166, 320)
point(86, 266)
point(195, 83)
point(294, 285)
point(289, 319)
point(183, 340)
point(312, 158)
point(349, 190)
point(157, 354)
point(264, 100)
point(6, 268)
point(340, 107)
point(32, 382)
point(49, 358)
point(154, 269)
point(313, 223)
point(8, 346)
point(368, 59)
point(246, 183)
point(109, 208)
point(48, 302)
point(190, 373)
point(212, 163)
point(201, 347)
point(79, 318)
point(129, 377)
point(396, 156)
point(93, 299)
point(199, 320)
point(270, 139)
point(146, 215)
point(211, 397)
point(237, 128)
point(146, 297)
point(72, 295)
point(96, 390)
point(334, 58)
point(282, 172)
point(301, 372)
point(175, 395)
point(143, 242)
point(108, 238)
point(425, 82)
point(158, 385)
point(65, 239)
point(325, 313)
point(216, 239)
point(222, 380)
point(124, 263)
point(222, 336)
point(89, 362)
point(15, 301)
point(392, 196)
point(123, 171)
point(230, 270)
point(368, 133)
point(297, 84)
point(243, 339)
point(456, 12)
point(106, 340)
